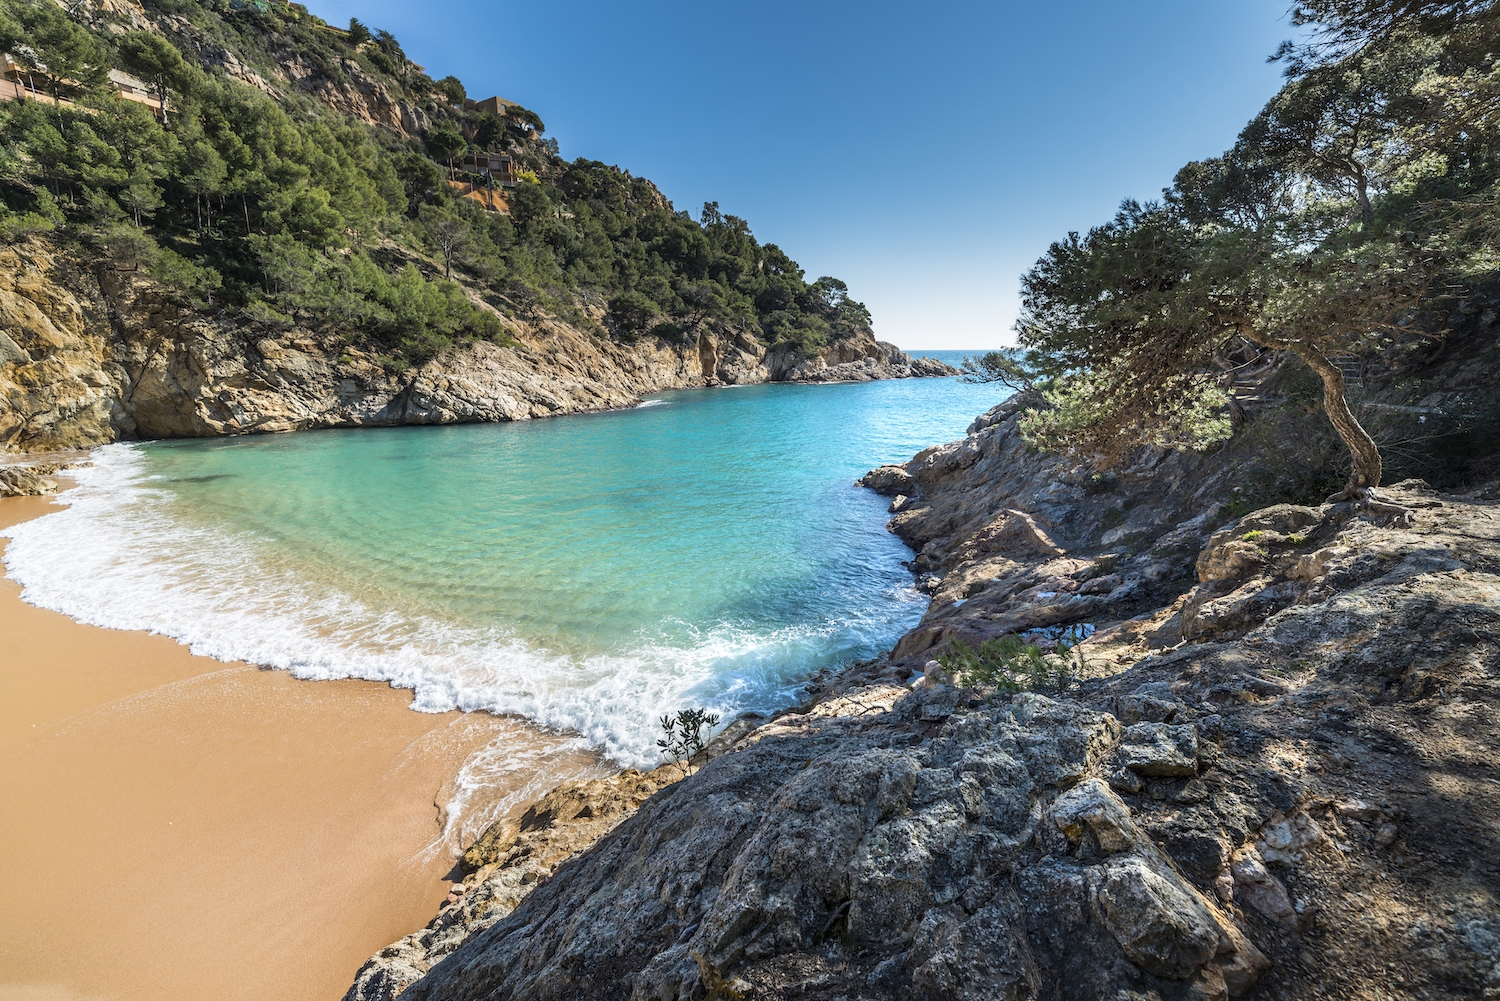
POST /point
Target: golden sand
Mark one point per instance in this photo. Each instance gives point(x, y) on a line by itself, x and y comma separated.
point(175, 827)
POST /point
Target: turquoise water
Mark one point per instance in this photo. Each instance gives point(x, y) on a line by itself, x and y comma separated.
point(589, 572)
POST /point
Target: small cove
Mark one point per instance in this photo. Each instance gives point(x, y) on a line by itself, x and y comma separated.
point(587, 573)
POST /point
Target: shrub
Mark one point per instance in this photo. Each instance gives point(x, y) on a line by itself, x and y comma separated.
point(1008, 665)
point(684, 735)
point(633, 312)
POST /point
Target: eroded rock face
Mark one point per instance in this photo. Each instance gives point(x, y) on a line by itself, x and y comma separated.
point(507, 862)
point(865, 846)
point(23, 481)
point(89, 356)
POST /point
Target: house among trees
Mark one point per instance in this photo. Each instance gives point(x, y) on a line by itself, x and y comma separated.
point(492, 167)
point(133, 89)
point(494, 173)
point(494, 105)
point(15, 87)
point(20, 84)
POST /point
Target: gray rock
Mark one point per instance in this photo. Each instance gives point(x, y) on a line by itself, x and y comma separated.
point(831, 849)
point(1160, 750)
point(1206, 616)
point(1160, 923)
point(889, 480)
point(1092, 803)
point(1255, 885)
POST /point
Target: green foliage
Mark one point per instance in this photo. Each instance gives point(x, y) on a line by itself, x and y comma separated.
point(1253, 536)
point(1087, 411)
point(452, 88)
point(634, 313)
point(73, 61)
point(1008, 665)
point(1008, 366)
point(417, 316)
point(154, 59)
point(684, 734)
point(288, 212)
point(1364, 192)
point(199, 282)
point(445, 143)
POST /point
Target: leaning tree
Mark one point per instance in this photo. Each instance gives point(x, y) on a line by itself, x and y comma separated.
point(1279, 243)
point(1137, 315)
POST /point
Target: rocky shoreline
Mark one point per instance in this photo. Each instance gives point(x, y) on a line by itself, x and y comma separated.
point(90, 355)
point(1270, 776)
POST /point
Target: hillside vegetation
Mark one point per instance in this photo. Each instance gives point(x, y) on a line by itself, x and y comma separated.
point(296, 175)
point(1343, 248)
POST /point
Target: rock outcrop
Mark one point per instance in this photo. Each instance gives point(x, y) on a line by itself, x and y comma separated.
point(90, 355)
point(1269, 774)
point(505, 864)
point(31, 477)
point(899, 845)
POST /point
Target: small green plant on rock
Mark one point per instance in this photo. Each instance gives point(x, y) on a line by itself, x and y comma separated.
point(1008, 665)
point(684, 735)
point(1254, 536)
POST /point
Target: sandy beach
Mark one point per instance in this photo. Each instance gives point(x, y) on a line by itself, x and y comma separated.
point(175, 827)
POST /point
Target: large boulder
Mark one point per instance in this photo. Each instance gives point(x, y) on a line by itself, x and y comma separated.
point(879, 847)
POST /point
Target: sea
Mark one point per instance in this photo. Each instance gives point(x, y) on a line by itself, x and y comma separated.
point(590, 573)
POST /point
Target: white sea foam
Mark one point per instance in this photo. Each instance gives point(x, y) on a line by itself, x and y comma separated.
point(652, 403)
point(524, 768)
point(122, 557)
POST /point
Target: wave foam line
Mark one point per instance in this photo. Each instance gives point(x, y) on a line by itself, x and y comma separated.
point(118, 558)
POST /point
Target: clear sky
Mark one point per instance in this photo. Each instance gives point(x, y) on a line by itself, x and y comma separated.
point(925, 153)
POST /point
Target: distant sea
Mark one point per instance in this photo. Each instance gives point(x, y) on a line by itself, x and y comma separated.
point(590, 573)
point(951, 357)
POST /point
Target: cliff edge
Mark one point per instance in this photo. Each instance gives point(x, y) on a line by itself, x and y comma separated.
point(90, 354)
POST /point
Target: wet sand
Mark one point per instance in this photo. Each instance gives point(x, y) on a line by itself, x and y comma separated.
point(173, 827)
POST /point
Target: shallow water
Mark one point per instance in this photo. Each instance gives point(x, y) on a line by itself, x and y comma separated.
point(590, 573)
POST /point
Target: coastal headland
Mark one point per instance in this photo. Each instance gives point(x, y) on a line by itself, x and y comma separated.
point(1201, 704)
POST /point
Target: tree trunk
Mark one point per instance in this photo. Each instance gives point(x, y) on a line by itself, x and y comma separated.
point(1362, 448)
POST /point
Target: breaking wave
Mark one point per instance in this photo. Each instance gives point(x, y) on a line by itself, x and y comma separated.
point(123, 555)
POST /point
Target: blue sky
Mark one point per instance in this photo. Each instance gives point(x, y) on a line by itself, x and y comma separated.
point(925, 153)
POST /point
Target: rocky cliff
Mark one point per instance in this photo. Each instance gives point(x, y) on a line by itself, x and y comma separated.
point(89, 355)
point(1270, 773)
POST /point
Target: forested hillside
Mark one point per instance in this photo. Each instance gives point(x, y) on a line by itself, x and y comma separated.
point(296, 174)
point(1345, 247)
